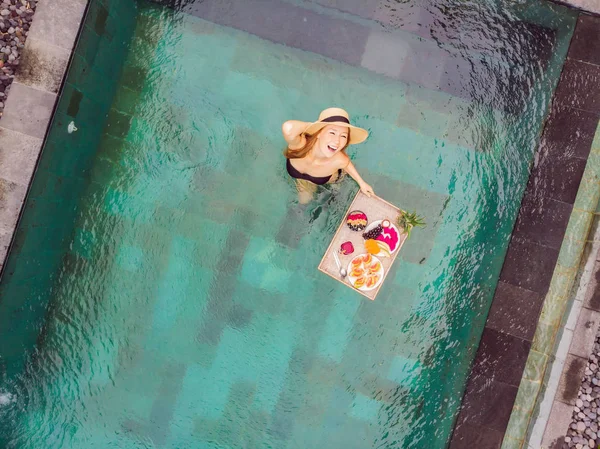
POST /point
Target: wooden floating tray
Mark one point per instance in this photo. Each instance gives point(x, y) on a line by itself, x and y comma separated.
point(376, 209)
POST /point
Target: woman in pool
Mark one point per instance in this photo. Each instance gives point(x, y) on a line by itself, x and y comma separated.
point(316, 152)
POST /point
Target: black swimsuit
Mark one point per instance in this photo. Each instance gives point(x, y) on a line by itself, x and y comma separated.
point(294, 173)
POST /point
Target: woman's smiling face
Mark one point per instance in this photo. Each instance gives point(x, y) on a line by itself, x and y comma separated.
point(332, 139)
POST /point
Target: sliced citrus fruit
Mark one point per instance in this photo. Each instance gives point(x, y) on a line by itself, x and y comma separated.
point(375, 267)
point(360, 282)
point(357, 272)
point(372, 280)
point(357, 261)
point(372, 246)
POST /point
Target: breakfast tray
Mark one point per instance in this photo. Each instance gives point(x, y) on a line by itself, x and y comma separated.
point(376, 209)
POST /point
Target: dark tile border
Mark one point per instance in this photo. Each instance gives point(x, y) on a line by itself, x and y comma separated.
point(586, 41)
point(533, 250)
point(515, 311)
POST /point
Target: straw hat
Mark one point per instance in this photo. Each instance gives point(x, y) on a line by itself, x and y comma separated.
point(337, 116)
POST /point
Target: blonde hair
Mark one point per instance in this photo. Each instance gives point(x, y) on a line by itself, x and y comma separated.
point(299, 153)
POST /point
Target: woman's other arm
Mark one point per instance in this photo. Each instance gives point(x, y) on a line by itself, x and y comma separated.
point(364, 187)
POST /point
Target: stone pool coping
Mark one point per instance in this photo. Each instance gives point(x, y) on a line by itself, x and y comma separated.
point(591, 6)
point(30, 105)
point(554, 406)
point(566, 331)
point(568, 323)
point(542, 260)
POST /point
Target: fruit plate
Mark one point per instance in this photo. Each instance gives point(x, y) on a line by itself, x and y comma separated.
point(390, 235)
point(367, 270)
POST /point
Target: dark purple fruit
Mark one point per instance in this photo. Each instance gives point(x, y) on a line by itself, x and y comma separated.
point(373, 233)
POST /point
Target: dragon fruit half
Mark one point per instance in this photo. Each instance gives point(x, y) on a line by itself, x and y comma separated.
point(347, 248)
point(389, 236)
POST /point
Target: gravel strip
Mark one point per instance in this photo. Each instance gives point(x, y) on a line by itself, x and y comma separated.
point(15, 20)
point(584, 432)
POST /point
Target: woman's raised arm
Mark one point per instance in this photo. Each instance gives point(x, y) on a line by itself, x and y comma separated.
point(292, 133)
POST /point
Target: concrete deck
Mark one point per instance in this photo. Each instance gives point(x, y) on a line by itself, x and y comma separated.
point(30, 104)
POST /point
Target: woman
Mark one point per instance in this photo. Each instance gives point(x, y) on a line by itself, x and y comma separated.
point(316, 152)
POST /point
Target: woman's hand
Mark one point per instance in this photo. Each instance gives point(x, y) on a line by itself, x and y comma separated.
point(367, 189)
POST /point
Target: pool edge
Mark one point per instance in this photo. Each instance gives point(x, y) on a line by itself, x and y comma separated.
point(511, 364)
point(530, 409)
point(30, 106)
point(563, 317)
point(589, 6)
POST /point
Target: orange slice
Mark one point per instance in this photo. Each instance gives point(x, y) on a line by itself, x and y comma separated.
point(372, 246)
point(357, 262)
point(357, 272)
point(372, 281)
point(360, 282)
point(375, 267)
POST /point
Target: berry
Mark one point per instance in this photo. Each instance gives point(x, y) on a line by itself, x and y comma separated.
point(373, 233)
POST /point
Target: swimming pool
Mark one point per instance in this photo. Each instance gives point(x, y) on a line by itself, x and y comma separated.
point(185, 309)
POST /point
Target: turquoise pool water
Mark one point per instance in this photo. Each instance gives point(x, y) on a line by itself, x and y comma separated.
point(187, 310)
